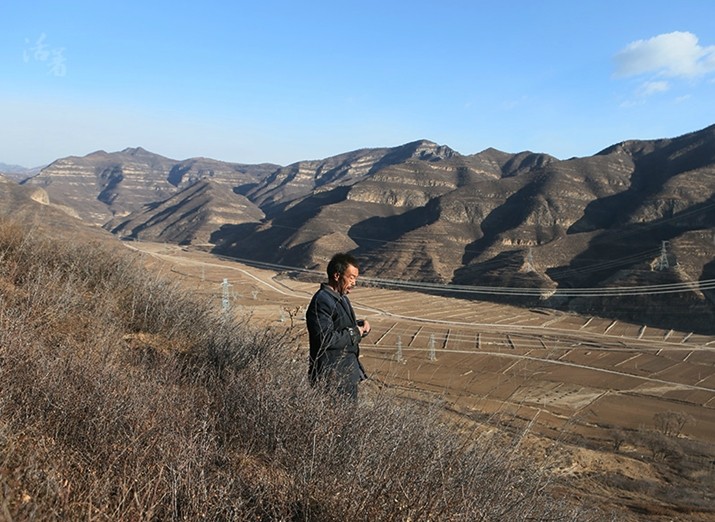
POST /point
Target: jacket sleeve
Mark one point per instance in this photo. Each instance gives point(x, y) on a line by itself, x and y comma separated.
point(327, 330)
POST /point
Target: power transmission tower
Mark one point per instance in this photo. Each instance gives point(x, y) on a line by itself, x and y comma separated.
point(663, 260)
point(432, 354)
point(225, 301)
point(399, 349)
point(530, 262)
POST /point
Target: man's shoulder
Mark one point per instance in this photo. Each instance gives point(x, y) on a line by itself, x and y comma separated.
point(325, 294)
point(325, 290)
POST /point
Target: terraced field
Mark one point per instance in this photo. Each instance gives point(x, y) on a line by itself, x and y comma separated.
point(563, 371)
point(556, 371)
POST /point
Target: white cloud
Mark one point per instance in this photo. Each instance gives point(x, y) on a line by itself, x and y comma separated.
point(677, 54)
point(514, 103)
point(649, 88)
point(627, 104)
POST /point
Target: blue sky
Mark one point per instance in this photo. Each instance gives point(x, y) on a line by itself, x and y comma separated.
point(283, 81)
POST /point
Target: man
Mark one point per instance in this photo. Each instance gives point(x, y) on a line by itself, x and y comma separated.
point(333, 331)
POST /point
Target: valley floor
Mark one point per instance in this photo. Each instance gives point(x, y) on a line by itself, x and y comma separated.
point(587, 392)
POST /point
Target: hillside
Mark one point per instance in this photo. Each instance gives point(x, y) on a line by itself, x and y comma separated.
point(101, 185)
point(423, 212)
point(99, 355)
point(189, 217)
point(127, 397)
point(31, 207)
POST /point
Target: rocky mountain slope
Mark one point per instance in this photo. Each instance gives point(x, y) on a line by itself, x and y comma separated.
point(102, 186)
point(32, 206)
point(523, 227)
point(190, 216)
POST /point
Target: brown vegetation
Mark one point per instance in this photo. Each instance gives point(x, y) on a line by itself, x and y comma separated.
point(124, 397)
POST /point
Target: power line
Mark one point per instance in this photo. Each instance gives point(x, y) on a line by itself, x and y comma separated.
point(408, 245)
point(601, 265)
point(706, 284)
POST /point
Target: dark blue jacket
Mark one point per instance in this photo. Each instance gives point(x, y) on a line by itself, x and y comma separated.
point(334, 339)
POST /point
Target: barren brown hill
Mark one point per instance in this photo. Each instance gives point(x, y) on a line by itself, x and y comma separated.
point(525, 221)
point(33, 207)
point(104, 185)
point(188, 217)
point(526, 228)
point(377, 197)
point(291, 184)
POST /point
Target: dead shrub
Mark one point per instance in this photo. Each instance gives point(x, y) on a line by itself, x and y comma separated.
point(619, 437)
point(671, 423)
point(661, 446)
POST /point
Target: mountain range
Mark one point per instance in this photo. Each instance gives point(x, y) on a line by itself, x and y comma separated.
point(526, 227)
point(18, 173)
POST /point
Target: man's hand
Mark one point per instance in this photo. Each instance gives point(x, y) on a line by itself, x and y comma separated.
point(364, 327)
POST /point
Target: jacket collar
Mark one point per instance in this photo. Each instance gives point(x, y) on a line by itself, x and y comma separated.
point(328, 288)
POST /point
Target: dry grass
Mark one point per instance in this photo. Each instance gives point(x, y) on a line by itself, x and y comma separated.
point(123, 397)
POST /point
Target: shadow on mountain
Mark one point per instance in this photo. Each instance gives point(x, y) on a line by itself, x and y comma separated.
point(177, 172)
point(109, 179)
point(508, 216)
point(708, 273)
point(397, 244)
point(603, 213)
point(632, 257)
point(229, 239)
point(391, 228)
point(269, 241)
point(244, 188)
point(627, 247)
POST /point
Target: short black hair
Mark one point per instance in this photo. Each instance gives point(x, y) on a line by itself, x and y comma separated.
point(339, 264)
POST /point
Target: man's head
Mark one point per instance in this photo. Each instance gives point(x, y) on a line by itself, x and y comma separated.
point(343, 272)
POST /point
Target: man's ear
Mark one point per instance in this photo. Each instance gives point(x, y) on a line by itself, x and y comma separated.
point(336, 276)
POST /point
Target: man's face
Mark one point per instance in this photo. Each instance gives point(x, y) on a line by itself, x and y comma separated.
point(346, 281)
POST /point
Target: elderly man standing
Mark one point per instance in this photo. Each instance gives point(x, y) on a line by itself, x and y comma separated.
point(333, 331)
